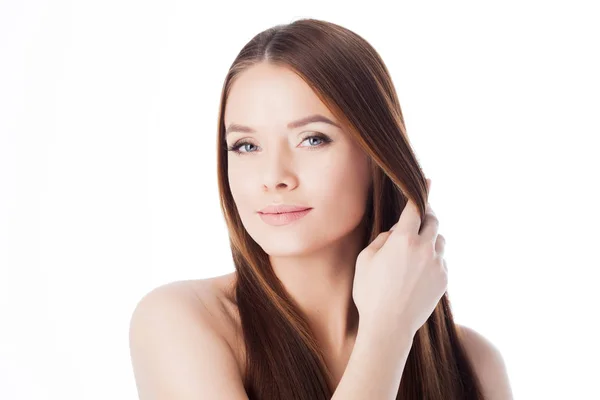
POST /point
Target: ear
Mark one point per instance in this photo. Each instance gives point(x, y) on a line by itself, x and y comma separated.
point(488, 364)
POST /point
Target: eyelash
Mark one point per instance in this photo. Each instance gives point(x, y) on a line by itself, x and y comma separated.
point(235, 147)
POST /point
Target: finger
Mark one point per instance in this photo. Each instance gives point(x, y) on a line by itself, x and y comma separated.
point(379, 241)
point(410, 220)
point(430, 225)
point(428, 188)
point(440, 245)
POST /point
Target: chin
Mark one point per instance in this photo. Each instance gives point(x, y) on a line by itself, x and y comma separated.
point(280, 245)
point(280, 248)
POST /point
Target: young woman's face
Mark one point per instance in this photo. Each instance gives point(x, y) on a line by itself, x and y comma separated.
point(315, 165)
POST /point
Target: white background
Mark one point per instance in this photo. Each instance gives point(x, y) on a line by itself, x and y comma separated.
point(108, 117)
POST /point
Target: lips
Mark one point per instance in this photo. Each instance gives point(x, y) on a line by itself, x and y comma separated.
point(282, 208)
point(278, 219)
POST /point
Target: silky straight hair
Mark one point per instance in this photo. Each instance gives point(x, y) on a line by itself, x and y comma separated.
point(283, 360)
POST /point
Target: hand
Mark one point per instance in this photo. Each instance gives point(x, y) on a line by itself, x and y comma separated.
point(401, 276)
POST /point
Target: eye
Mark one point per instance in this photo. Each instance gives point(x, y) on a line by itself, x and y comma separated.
point(235, 148)
point(314, 137)
point(324, 140)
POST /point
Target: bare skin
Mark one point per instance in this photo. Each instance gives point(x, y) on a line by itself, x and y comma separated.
point(316, 165)
point(213, 297)
point(217, 296)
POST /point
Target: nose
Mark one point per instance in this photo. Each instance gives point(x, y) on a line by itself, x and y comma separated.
point(278, 172)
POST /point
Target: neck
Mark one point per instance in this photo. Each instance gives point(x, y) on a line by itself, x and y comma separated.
point(320, 282)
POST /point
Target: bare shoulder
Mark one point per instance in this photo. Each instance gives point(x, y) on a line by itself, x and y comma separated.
point(488, 363)
point(217, 296)
point(210, 299)
point(179, 346)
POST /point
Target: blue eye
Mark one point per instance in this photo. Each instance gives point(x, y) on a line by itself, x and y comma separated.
point(313, 137)
point(235, 147)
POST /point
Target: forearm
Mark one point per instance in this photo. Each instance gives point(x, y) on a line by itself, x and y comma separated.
point(375, 367)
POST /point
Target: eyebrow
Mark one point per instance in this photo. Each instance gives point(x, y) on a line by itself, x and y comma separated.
point(292, 125)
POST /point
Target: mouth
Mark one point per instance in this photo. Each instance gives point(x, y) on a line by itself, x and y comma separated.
point(278, 219)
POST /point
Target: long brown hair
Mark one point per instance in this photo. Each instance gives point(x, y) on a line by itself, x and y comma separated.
point(283, 360)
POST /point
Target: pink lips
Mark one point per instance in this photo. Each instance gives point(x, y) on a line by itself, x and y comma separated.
point(283, 218)
point(282, 208)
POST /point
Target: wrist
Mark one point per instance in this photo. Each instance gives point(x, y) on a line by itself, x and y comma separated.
point(385, 336)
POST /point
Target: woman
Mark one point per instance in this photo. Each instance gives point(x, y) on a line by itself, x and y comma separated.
point(315, 168)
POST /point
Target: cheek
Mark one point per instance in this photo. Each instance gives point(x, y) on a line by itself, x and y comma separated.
point(241, 188)
point(342, 190)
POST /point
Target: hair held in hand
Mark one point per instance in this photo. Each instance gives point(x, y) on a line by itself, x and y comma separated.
point(283, 358)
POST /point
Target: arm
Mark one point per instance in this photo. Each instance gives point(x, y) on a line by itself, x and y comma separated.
point(176, 354)
point(375, 366)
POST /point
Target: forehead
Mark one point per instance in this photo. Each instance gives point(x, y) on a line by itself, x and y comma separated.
point(266, 94)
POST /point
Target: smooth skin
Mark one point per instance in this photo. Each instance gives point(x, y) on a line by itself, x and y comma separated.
point(182, 343)
point(318, 165)
point(401, 276)
point(178, 353)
